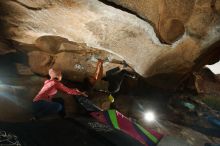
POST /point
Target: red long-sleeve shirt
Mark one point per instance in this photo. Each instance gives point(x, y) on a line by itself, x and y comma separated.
point(50, 88)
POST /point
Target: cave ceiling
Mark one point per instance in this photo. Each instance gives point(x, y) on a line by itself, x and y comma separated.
point(152, 36)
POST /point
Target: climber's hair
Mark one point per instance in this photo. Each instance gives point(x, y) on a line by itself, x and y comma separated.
point(55, 73)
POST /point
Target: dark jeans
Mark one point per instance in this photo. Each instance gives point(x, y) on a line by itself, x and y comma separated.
point(44, 108)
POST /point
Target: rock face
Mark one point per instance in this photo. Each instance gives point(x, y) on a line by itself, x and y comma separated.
point(167, 16)
point(157, 37)
point(171, 18)
point(206, 82)
point(188, 136)
point(76, 60)
point(16, 97)
point(4, 47)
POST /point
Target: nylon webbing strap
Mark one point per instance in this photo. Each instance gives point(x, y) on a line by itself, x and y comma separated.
point(113, 118)
point(149, 135)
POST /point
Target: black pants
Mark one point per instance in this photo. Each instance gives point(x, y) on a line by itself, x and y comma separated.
point(115, 78)
point(44, 108)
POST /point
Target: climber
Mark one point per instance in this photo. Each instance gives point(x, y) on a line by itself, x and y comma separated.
point(91, 82)
point(43, 103)
point(115, 78)
point(109, 84)
point(96, 86)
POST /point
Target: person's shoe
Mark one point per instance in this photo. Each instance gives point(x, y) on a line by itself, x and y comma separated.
point(124, 63)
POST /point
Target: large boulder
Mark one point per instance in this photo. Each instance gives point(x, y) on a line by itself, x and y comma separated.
point(156, 38)
point(4, 47)
point(163, 40)
point(76, 60)
point(206, 82)
point(40, 62)
point(168, 17)
point(49, 44)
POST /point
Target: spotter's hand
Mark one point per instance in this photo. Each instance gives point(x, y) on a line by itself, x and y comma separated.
point(84, 94)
